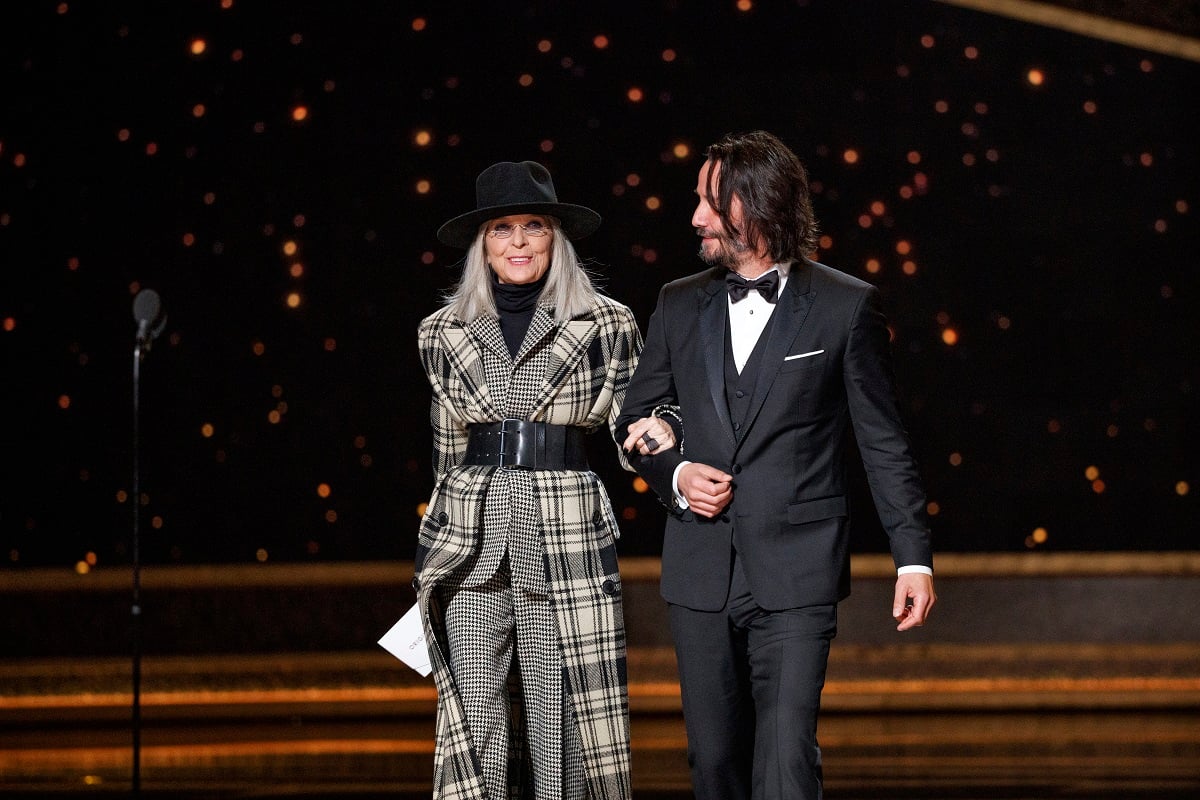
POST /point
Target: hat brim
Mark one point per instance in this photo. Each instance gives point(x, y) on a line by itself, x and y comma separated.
point(576, 221)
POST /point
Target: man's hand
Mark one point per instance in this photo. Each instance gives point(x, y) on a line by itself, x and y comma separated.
point(706, 489)
point(914, 598)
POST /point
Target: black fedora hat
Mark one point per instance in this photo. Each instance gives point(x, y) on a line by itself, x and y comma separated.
point(509, 188)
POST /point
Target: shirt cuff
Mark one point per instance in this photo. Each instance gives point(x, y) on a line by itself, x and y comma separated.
point(914, 568)
point(680, 500)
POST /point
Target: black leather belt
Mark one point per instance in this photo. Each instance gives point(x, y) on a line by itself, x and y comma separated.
point(523, 444)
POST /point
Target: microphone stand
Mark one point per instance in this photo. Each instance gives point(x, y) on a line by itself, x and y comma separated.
point(147, 311)
point(139, 348)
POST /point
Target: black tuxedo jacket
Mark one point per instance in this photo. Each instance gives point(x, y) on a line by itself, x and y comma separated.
point(826, 365)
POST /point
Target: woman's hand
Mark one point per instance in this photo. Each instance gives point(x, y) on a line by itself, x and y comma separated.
point(649, 435)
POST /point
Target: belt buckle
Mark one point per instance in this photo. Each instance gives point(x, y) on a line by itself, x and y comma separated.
point(504, 434)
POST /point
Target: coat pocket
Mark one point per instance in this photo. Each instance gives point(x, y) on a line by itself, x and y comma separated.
point(816, 510)
point(815, 361)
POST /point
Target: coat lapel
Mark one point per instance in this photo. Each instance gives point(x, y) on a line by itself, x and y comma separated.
point(465, 347)
point(713, 312)
point(790, 313)
point(541, 326)
point(571, 342)
point(487, 333)
point(464, 352)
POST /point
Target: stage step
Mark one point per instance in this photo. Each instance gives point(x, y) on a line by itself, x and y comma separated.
point(1037, 678)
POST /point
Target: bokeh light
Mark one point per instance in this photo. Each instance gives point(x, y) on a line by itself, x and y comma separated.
point(283, 189)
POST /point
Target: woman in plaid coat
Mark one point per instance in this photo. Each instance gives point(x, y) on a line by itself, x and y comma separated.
point(516, 566)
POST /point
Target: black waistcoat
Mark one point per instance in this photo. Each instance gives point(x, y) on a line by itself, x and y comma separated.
point(739, 388)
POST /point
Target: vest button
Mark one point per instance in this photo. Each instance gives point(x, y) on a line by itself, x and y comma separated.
point(740, 393)
point(416, 584)
point(737, 426)
point(608, 587)
point(442, 519)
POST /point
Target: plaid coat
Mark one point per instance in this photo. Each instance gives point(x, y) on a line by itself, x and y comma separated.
point(573, 373)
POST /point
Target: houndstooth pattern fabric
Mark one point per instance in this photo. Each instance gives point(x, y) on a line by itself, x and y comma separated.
point(487, 627)
point(479, 645)
point(510, 519)
point(570, 373)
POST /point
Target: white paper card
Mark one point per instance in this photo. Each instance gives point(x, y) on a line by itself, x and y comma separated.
point(406, 641)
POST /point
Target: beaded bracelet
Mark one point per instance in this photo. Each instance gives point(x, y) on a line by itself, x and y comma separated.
point(673, 412)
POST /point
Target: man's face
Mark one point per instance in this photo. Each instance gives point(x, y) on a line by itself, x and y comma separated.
point(716, 246)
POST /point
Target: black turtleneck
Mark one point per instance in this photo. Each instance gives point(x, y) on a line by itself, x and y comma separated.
point(516, 303)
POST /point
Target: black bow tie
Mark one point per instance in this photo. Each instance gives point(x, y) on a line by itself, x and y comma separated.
point(739, 287)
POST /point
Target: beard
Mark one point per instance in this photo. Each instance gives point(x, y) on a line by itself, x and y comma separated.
point(729, 252)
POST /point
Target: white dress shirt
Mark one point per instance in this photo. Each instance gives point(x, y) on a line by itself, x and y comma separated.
point(747, 319)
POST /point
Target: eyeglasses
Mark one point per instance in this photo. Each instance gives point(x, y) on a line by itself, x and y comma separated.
point(506, 229)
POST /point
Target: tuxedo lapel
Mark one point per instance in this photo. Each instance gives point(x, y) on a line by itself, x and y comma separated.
point(790, 312)
point(713, 312)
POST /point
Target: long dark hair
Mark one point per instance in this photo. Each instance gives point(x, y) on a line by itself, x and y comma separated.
point(772, 185)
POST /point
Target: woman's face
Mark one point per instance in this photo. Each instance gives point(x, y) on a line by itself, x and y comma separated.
point(519, 254)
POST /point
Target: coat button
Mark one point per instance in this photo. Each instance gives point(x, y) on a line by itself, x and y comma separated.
point(609, 587)
point(597, 516)
point(416, 583)
point(737, 469)
point(442, 519)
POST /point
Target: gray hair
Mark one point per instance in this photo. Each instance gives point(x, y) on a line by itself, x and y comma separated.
point(569, 290)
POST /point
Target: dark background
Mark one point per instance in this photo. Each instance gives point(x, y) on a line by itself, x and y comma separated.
point(1054, 239)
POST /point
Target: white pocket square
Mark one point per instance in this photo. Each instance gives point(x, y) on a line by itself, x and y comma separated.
point(803, 355)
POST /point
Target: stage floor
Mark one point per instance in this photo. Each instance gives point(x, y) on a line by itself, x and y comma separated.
point(988, 722)
point(1027, 688)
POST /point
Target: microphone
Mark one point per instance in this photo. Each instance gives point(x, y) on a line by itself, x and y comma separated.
point(148, 312)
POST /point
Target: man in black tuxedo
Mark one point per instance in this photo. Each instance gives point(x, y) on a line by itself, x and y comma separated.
point(769, 357)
